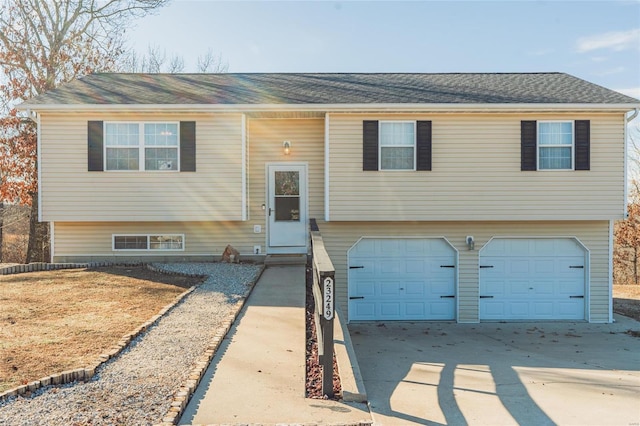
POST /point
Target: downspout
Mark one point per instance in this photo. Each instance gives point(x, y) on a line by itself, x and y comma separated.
point(626, 161)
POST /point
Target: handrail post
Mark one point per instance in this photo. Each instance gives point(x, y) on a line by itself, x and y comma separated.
point(326, 324)
point(324, 296)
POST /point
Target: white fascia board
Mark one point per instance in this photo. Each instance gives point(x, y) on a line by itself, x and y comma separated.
point(240, 108)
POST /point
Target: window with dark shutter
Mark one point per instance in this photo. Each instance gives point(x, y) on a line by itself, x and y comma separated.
point(187, 146)
point(370, 145)
point(583, 142)
point(95, 141)
point(423, 149)
point(528, 146)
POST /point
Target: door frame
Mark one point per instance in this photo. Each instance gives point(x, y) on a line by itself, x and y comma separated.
point(304, 204)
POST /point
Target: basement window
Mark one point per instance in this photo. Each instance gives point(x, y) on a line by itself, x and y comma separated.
point(148, 242)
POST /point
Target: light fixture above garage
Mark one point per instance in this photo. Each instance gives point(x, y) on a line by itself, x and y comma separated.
point(470, 242)
point(286, 146)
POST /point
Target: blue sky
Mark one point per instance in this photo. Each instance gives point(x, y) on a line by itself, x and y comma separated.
point(598, 41)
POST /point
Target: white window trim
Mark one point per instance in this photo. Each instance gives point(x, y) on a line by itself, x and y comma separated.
point(148, 249)
point(414, 146)
point(141, 146)
point(573, 145)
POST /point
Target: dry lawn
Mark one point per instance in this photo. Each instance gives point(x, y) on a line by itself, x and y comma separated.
point(60, 320)
point(626, 300)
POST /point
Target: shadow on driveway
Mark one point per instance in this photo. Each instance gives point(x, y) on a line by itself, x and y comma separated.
point(495, 373)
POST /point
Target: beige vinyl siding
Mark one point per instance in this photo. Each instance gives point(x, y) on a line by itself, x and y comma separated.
point(476, 173)
point(70, 193)
point(340, 236)
point(76, 240)
point(92, 240)
point(265, 146)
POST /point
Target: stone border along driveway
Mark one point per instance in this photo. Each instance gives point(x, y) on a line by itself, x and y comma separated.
point(185, 391)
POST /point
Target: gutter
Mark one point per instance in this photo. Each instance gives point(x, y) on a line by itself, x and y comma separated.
point(382, 108)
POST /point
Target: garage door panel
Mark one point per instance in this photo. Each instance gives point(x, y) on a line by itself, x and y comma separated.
point(532, 279)
point(494, 286)
point(365, 288)
point(497, 265)
point(542, 288)
point(443, 309)
point(389, 266)
point(415, 266)
point(544, 266)
point(415, 310)
point(492, 309)
point(402, 278)
point(516, 288)
point(570, 309)
point(389, 288)
point(364, 310)
point(519, 266)
point(441, 288)
point(543, 309)
point(389, 310)
point(517, 309)
point(570, 288)
point(415, 288)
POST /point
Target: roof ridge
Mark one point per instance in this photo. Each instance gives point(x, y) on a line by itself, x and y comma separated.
point(333, 73)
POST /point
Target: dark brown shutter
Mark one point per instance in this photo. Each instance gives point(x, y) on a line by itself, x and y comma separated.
point(187, 146)
point(95, 142)
point(583, 149)
point(370, 145)
point(423, 148)
point(528, 146)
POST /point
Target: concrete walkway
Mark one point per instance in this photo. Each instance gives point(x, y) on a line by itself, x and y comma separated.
point(258, 373)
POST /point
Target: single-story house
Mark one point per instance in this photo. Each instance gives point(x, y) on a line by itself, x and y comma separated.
point(466, 197)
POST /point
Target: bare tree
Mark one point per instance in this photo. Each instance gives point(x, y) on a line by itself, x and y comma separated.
point(155, 60)
point(44, 43)
point(210, 62)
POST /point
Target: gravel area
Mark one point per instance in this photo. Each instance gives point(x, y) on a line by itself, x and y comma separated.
point(136, 387)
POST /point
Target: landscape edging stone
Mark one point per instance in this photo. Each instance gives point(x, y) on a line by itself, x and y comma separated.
point(86, 373)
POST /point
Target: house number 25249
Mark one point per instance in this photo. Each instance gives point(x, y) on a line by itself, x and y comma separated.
point(328, 298)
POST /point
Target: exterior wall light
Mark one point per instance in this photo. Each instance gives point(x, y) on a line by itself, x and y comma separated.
point(470, 242)
point(286, 146)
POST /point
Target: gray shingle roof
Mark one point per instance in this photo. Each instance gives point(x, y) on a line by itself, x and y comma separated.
point(281, 89)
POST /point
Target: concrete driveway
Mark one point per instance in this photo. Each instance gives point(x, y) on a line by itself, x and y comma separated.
point(500, 374)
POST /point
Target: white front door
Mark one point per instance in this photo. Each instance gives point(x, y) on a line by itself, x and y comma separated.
point(287, 208)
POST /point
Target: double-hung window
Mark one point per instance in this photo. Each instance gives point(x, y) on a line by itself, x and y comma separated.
point(397, 145)
point(555, 145)
point(141, 146)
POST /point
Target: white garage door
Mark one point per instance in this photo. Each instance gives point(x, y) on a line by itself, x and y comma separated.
point(532, 279)
point(402, 279)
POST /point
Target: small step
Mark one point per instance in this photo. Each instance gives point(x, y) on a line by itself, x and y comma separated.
point(285, 259)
